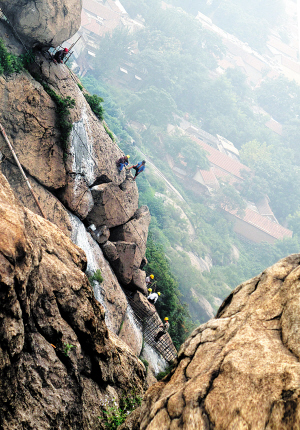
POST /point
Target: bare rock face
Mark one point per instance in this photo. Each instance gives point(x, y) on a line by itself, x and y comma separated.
point(77, 196)
point(131, 333)
point(43, 22)
point(100, 234)
point(113, 205)
point(136, 231)
point(108, 293)
point(240, 370)
point(53, 209)
point(139, 281)
point(28, 115)
point(58, 360)
point(121, 256)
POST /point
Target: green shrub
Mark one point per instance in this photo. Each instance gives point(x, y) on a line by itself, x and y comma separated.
point(161, 375)
point(68, 347)
point(109, 132)
point(96, 277)
point(95, 103)
point(116, 414)
point(80, 86)
point(9, 63)
point(63, 105)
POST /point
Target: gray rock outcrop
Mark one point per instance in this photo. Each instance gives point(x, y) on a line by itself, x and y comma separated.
point(136, 231)
point(113, 205)
point(43, 23)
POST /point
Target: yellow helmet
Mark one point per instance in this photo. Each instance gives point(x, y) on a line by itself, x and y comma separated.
point(166, 319)
point(128, 156)
point(158, 293)
point(150, 290)
point(152, 276)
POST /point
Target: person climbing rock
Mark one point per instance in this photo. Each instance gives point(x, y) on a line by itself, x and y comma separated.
point(149, 279)
point(164, 328)
point(149, 290)
point(60, 55)
point(122, 162)
point(152, 298)
point(139, 168)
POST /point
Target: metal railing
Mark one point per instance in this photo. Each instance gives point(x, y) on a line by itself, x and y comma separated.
point(150, 323)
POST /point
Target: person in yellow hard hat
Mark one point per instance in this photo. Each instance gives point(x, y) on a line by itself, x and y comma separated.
point(149, 279)
point(152, 298)
point(122, 162)
point(164, 328)
point(149, 290)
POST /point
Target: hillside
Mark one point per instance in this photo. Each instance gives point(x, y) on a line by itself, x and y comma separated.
point(179, 81)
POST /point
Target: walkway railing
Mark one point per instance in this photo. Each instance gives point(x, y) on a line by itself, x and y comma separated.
point(150, 323)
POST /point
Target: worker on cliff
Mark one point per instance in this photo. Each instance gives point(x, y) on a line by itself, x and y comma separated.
point(164, 328)
point(122, 162)
point(149, 279)
point(139, 168)
point(60, 55)
point(152, 298)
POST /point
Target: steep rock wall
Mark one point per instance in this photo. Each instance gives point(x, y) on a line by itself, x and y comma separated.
point(47, 304)
point(63, 179)
point(240, 370)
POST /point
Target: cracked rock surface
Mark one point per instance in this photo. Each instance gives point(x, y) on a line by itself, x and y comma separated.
point(43, 22)
point(240, 370)
point(58, 361)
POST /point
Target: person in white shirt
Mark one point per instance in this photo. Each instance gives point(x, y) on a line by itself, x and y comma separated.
point(149, 279)
point(152, 298)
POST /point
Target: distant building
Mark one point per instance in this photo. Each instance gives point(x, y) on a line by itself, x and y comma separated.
point(258, 223)
point(98, 18)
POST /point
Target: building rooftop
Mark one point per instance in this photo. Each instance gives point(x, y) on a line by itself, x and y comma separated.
point(222, 160)
point(262, 223)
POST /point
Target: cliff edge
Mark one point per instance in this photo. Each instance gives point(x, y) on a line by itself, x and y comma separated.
point(241, 369)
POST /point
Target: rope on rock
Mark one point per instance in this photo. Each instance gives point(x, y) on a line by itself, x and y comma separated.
point(21, 169)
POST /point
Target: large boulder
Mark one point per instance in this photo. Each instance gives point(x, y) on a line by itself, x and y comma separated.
point(136, 231)
point(59, 363)
point(121, 257)
point(240, 370)
point(113, 205)
point(43, 22)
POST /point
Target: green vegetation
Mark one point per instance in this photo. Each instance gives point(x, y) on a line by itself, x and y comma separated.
point(177, 62)
point(161, 375)
point(9, 63)
point(68, 347)
point(116, 414)
point(145, 362)
point(95, 103)
point(63, 106)
point(96, 277)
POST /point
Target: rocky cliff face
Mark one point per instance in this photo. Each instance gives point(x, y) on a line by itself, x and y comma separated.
point(58, 359)
point(241, 369)
point(65, 348)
